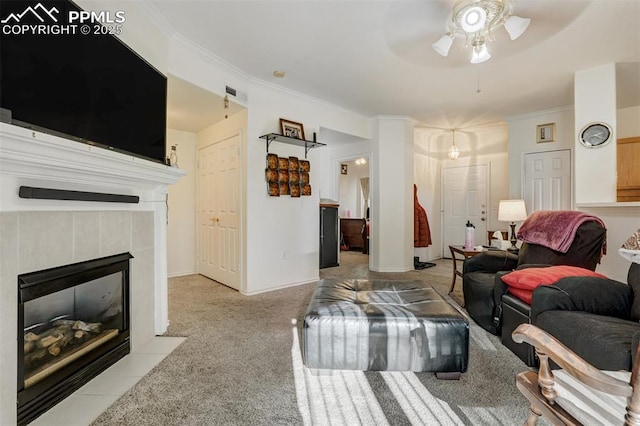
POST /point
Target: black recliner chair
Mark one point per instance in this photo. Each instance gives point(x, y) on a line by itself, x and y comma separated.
point(486, 297)
point(597, 318)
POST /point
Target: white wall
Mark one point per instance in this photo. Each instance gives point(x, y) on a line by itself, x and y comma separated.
point(181, 230)
point(620, 222)
point(391, 212)
point(337, 152)
point(351, 204)
point(282, 232)
point(595, 101)
point(628, 122)
point(522, 140)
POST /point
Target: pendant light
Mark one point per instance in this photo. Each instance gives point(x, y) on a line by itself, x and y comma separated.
point(453, 153)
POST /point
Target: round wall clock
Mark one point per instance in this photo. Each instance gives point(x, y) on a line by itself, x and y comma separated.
point(595, 135)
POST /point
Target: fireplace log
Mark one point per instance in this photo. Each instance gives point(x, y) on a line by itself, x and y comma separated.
point(47, 341)
point(67, 323)
point(34, 356)
point(31, 337)
point(94, 327)
point(54, 331)
point(66, 338)
point(28, 347)
point(54, 349)
point(79, 334)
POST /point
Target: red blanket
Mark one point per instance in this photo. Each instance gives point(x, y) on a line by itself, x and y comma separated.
point(554, 229)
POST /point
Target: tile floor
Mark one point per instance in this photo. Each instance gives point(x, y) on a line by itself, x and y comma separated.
point(87, 403)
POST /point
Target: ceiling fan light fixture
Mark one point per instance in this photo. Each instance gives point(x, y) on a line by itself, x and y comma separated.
point(516, 26)
point(480, 53)
point(443, 45)
point(473, 19)
point(477, 21)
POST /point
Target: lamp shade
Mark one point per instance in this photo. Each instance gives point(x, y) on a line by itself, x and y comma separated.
point(480, 54)
point(512, 211)
point(516, 25)
point(443, 45)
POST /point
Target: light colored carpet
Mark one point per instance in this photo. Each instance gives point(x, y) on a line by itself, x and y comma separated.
point(241, 365)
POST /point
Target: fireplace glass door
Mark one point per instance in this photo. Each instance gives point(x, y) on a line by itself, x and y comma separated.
point(74, 323)
point(65, 325)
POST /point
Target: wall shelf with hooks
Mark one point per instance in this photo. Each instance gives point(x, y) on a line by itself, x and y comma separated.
point(271, 137)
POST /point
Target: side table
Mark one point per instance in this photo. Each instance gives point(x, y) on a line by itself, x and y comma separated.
point(466, 254)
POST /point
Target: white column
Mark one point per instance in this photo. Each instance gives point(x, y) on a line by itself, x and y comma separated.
point(392, 195)
point(595, 101)
point(161, 275)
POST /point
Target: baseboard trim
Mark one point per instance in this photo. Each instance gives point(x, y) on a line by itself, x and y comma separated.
point(313, 280)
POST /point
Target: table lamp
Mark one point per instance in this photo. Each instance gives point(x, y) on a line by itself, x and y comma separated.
point(512, 211)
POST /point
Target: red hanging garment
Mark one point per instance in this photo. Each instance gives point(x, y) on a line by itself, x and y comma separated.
point(421, 231)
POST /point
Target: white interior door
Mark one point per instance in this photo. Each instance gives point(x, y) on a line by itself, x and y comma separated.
point(219, 211)
point(547, 180)
point(464, 199)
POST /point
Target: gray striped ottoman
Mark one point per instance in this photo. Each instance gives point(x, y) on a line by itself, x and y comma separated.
point(384, 325)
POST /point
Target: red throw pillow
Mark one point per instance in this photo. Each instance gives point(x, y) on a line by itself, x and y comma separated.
point(522, 282)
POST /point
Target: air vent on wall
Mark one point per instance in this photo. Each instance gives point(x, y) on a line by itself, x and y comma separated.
point(242, 97)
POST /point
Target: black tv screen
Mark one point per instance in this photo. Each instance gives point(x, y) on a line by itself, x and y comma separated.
point(90, 87)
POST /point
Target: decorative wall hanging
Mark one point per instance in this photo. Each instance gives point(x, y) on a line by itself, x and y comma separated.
point(292, 129)
point(304, 178)
point(283, 176)
point(283, 163)
point(272, 161)
point(343, 169)
point(293, 163)
point(294, 177)
point(546, 133)
point(271, 175)
point(287, 176)
point(273, 189)
point(284, 188)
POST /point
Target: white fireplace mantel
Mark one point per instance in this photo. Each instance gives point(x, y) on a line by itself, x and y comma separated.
point(35, 156)
point(32, 158)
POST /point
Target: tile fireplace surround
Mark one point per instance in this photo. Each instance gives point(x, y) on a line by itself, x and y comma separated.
point(39, 234)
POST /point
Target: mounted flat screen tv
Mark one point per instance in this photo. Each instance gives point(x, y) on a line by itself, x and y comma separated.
point(87, 87)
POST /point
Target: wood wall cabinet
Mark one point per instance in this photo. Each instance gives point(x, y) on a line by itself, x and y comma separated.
point(628, 168)
point(353, 232)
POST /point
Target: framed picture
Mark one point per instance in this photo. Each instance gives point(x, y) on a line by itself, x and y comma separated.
point(292, 129)
point(546, 132)
point(343, 169)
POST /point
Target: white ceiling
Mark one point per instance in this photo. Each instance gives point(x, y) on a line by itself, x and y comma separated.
point(375, 57)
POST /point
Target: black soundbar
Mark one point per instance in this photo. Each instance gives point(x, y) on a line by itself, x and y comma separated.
point(61, 194)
